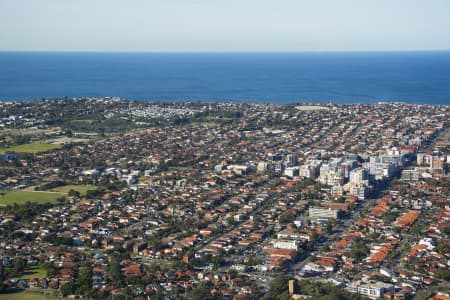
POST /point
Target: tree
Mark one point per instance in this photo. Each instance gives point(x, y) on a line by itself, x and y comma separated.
point(84, 281)
point(90, 194)
point(286, 217)
point(114, 272)
point(19, 266)
point(359, 250)
point(2, 278)
point(443, 274)
point(49, 268)
point(158, 295)
point(68, 288)
point(446, 230)
point(443, 246)
point(278, 289)
point(216, 260)
point(325, 291)
point(127, 293)
point(73, 193)
point(61, 200)
point(202, 291)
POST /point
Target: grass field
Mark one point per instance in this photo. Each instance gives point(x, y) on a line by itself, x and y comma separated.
point(26, 295)
point(30, 131)
point(35, 147)
point(82, 121)
point(82, 189)
point(33, 272)
point(21, 197)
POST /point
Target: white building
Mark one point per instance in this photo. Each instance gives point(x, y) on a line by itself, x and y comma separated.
point(372, 290)
point(410, 175)
point(380, 170)
point(428, 242)
point(291, 172)
point(310, 169)
point(421, 159)
point(322, 212)
point(359, 177)
point(337, 190)
point(360, 192)
point(334, 178)
point(284, 244)
point(262, 167)
point(238, 168)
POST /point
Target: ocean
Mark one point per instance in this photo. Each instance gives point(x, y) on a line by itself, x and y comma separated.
point(323, 77)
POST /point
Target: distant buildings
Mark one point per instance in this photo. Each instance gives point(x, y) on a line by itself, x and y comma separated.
point(372, 290)
point(326, 213)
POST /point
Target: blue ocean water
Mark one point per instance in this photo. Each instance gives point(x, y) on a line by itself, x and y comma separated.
point(352, 77)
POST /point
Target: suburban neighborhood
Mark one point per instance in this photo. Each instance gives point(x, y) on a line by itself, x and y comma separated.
point(118, 199)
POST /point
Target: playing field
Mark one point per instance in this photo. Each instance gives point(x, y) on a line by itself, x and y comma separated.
point(35, 147)
point(26, 295)
point(82, 189)
point(21, 197)
point(33, 272)
point(83, 121)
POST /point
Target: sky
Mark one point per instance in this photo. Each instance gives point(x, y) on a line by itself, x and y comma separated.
point(224, 25)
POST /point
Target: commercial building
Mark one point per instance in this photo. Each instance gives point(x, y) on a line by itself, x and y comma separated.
point(320, 212)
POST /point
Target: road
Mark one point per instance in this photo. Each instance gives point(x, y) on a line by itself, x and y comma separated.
point(346, 223)
point(337, 231)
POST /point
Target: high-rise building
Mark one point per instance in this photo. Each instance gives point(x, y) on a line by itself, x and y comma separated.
point(359, 177)
point(437, 165)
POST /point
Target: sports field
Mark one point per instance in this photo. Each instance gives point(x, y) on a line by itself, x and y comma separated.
point(82, 189)
point(21, 197)
point(26, 295)
point(35, 147)
point(34, 272)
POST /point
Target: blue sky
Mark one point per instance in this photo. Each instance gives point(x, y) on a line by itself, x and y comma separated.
point(224, 25)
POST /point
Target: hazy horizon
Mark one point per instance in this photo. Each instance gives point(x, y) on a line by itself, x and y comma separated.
point(231, 26)
point(230, 52)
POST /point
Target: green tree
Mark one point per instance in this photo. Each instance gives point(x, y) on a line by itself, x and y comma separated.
point(49, 268)
point(114, 272)
point(359, 250)
point(286, 217)
point(278, 289)
point(127, 293)
point(2, 278)
point(84, 281)
point(443, 247)
point(202, 291)
point(216, 260)
point(325, 291)
point(19, 266)
point(443, 274)
point(68, 288)
point(73, 193)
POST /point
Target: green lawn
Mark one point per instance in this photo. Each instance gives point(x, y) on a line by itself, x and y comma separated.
point(82, 189)
point(34, 272)
point(31, 272)
point(21, 197)
point(35, 147)
point(83, 121)
point(26, 295)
